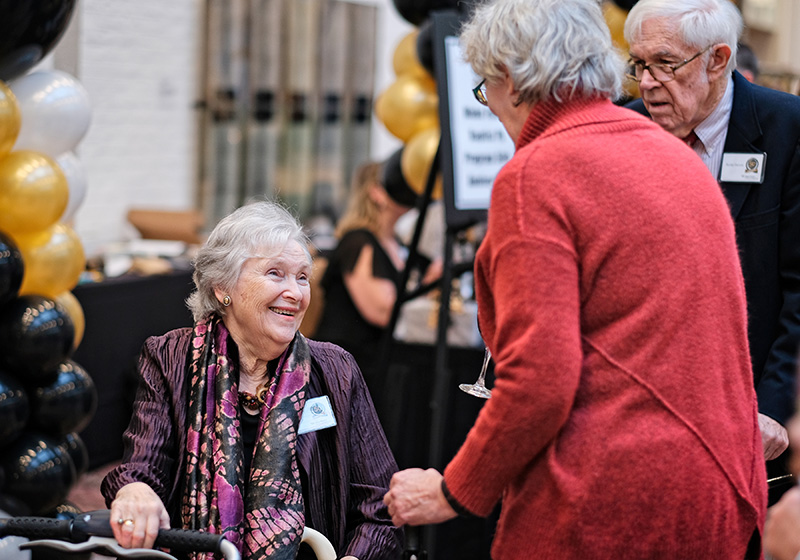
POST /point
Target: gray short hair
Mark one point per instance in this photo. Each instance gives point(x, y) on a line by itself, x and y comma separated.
point(552, 49)
point(250, 231)
point(700, 23)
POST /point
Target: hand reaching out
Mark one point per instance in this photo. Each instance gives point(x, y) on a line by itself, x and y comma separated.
point(415, 497)
point(774, 437)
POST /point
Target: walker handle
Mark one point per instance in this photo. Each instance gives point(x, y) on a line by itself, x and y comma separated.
point(97, 524)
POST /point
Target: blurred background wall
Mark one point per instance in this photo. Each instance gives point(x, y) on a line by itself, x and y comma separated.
point(158, 74)
point(197, 104)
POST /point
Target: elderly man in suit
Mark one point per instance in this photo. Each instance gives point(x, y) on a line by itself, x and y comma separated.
point(683, 55)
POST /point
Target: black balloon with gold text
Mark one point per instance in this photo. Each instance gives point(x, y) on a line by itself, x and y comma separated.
point(36, 335)
point(12, 269)
point(65, 405)
point(14, 408)
point(39, 472)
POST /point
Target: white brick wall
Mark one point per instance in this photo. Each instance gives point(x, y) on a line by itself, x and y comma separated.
point(138, 62)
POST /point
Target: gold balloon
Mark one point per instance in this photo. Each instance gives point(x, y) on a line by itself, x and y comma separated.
point(406, 59)
point(54, 265)
point(33, 192)
point(10, 121)
point(75, 312)
point(415, 163)
point(615, 19)
point(408, 106)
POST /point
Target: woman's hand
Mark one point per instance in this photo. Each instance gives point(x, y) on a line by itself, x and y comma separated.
point(774, 437)
point(415, 498)
point(141, 514)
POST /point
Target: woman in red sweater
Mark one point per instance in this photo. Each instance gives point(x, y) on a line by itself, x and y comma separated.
point(622, 422)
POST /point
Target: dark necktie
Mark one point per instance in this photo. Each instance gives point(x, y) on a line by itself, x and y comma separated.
point(691, 139)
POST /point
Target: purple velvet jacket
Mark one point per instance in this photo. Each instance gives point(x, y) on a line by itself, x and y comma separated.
point(347, 468)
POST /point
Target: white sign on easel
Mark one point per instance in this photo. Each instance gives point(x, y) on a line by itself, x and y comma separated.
point(480, 143)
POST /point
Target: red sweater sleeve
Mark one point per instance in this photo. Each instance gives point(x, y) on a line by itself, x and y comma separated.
point(532, 280)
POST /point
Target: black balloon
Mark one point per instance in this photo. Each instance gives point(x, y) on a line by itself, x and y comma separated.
point(625, 4)
point(425, 46)
point(395, 183)
point(11, 269)
point(77, 451)
point(67, 510)
point(29, 29)
point(14, 408)
point(39, 473)
point(65, 405)
point(417, 11)
point(36, 335)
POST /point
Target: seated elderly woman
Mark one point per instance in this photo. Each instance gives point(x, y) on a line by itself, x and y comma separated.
point(220, 438)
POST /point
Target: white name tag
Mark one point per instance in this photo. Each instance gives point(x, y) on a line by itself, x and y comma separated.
point(317, 415)
point(743, 168)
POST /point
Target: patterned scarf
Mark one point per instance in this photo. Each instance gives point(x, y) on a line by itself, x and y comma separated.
point(263, 515)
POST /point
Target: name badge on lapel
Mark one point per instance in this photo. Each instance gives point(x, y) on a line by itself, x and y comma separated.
point(317, 415)
point(743, 168)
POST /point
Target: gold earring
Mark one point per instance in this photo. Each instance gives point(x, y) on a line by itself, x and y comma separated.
point(226, 301)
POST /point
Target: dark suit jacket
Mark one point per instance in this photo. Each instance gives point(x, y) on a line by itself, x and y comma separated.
point(767, 218)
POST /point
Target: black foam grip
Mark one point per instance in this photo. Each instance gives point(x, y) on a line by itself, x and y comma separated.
point(36, 527)
point(180, 539)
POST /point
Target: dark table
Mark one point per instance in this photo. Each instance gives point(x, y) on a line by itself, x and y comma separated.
point(120, 314)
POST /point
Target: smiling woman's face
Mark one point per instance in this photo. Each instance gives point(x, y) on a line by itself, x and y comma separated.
point(269, 301)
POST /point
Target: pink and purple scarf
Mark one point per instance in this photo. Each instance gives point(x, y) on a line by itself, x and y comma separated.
point(260, 511)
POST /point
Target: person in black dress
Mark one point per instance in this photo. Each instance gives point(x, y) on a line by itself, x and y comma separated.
point(362, 278)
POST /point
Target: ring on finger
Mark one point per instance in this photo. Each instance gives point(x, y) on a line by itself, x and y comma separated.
point(127, 522)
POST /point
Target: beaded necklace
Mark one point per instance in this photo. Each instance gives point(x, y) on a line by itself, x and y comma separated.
point(253, 402)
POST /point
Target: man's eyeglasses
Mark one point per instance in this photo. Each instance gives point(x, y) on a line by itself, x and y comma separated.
point(479, 92)
point(661, 72)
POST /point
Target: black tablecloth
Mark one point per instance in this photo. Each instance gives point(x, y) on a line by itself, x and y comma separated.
point(120, 314)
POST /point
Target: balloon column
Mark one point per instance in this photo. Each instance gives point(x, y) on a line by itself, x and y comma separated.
point(45, 398)
point(409, 107)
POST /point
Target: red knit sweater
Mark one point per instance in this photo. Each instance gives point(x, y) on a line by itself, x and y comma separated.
point(622, 422)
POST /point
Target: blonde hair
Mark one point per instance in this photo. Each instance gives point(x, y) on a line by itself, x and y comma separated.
point(362, 211)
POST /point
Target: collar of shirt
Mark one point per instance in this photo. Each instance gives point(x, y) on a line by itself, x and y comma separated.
point(713, 131)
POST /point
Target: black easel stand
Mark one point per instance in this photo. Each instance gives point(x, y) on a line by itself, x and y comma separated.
point(442, 375)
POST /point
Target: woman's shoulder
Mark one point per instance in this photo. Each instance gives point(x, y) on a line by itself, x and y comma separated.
point(175, 335)
point(328, 354)
point(357, 238)
point(349, 249)
point(169, 343)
